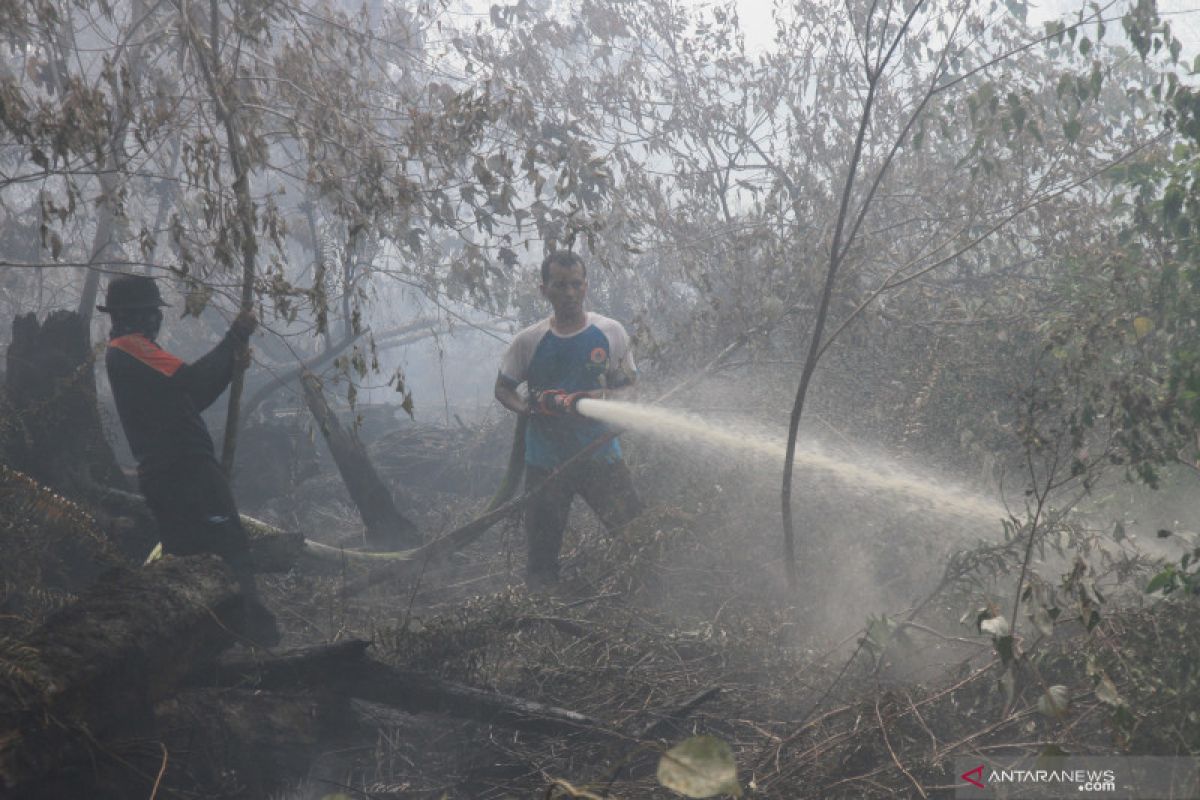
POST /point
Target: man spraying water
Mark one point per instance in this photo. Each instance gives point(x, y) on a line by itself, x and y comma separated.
point(573, 355)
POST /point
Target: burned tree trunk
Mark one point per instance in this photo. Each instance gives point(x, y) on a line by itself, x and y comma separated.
point(241, 742)
point(54, 432)
point(345, 669)
point(95, 668)
point(385, 526)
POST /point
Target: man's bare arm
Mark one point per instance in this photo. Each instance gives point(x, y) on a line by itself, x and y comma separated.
point(510, 398)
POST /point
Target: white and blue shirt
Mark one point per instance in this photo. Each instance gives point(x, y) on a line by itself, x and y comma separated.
point(598, 356)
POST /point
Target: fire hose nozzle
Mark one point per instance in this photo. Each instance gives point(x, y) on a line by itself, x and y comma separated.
point(555, 402)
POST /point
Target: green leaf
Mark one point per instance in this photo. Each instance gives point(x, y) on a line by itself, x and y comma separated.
point(702, 766)
point(1164, 580)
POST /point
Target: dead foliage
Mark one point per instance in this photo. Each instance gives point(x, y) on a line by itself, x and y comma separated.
point(679, 625)
point(52, 547)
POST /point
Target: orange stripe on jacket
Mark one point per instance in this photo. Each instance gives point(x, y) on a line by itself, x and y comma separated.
point(148, 353)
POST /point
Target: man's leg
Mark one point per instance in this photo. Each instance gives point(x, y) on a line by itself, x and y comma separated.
point(196, 513)
point(609, 492)
point(545, 520)
point(217, 511)
point(225, 536)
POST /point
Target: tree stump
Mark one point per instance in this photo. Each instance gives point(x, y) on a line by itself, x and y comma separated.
point(56, 435)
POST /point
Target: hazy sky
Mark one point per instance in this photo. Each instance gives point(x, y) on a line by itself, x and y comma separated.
point(1184, 16)
point(755, 16)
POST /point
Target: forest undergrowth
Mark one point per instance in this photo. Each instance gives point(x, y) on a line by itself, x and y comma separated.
point(894, 657)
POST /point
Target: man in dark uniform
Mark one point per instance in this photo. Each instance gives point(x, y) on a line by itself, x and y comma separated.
point(159, 399)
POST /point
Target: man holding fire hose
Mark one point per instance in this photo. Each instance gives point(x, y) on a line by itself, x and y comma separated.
point(572, 355)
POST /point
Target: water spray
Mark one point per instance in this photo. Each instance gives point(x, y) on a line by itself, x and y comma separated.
point(687, 429)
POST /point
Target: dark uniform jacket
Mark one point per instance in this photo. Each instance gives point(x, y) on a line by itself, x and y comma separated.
point(159, 399)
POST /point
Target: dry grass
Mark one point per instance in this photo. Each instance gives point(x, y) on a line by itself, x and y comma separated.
point(687, 609)
point(51, 547)
point(688, 600)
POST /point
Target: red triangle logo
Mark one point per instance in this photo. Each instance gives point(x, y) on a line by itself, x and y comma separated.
point(977, 780)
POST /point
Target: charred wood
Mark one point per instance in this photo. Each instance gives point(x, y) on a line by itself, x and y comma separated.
point(414, 692)
point(239, 743)
point(345, 668)
point(54, 431)
point(271, 549)
point(95, 668)
point(385, 525)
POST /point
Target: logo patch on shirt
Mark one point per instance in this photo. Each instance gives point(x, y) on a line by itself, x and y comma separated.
point(599, 355)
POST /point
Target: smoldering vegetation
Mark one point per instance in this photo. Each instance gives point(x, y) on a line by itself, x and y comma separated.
point(948, 246)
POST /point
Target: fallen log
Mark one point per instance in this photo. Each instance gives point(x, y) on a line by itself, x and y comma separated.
point(414, 692)
point(271, 549)
point(384, 523)
point(95, 668)
point(291, 669)
point(345, 668)
point(224, 742)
